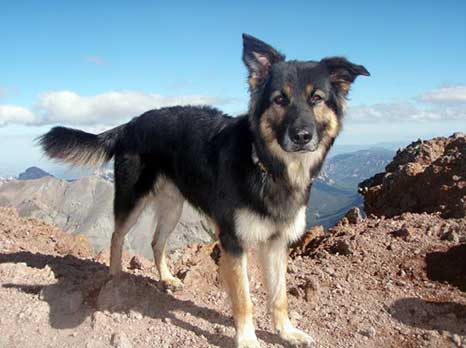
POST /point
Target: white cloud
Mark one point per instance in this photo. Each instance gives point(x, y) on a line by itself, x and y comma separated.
point(454, 94)
point(16, 114)
point(70, 108)
point(443, 104)
point(384, 112)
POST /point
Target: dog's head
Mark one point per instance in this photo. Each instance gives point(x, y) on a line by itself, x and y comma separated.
point(297, 105)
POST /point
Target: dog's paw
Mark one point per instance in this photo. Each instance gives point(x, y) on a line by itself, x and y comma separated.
point(251, 342)
point(172, 284)
point(297, 338)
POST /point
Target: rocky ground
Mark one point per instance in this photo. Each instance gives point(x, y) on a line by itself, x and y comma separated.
point(371, 282)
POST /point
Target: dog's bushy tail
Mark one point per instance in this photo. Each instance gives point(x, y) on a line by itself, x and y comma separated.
point(77, 147)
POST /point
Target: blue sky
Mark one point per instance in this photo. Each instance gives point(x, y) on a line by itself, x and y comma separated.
point(94, 64)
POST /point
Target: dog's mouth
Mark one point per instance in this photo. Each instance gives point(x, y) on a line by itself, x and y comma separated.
point(300, 148)
point(291, 146)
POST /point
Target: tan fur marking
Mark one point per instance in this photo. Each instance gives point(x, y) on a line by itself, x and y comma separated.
point(273, 258)
point(343, 85)
point(309, 88)
point(327, 117)
point(279, 310)
point(233, 277)
point(252, 82)
point(272, 116)
point(287, 90)
point(233, 274)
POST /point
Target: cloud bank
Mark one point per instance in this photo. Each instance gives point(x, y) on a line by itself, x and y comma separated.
point(445, 95)
point(442, 104)
point(70, 108)
point(114, 107)
point(15, 114)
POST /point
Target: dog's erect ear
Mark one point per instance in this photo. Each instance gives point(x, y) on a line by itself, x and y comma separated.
point(342, 72)
point(259, 58)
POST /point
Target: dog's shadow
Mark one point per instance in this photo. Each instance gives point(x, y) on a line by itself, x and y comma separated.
point(430, 315)
point(97, 292)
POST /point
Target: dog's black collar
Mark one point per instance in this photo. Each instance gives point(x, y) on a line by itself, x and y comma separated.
point(257, 161)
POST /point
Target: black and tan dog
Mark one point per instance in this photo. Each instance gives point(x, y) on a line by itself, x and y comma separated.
point(251, 175)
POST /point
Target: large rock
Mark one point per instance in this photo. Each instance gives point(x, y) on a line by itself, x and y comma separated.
point(84, 207)
point(427, 176)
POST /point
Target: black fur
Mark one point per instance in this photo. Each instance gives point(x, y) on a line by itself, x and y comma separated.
point(209, 155)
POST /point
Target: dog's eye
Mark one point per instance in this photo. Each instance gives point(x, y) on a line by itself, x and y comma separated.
point(281, 100)
point(315, 99)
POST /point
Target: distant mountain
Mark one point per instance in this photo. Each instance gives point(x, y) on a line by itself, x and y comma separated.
point(84, 206)
point(33, 173)
point(338, 149)
point(347, 170)
point(335, 190)
point(328, 204)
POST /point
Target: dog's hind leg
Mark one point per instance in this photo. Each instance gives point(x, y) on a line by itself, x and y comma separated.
point(273, 256)
point(127, 206)
point(168, 204)
point(233, 273)
point(122, 227)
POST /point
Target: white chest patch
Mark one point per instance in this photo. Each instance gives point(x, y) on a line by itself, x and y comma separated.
point(252, 228)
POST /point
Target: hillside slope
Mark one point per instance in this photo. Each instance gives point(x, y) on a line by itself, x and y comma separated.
point(84, 207)
point(347, 170)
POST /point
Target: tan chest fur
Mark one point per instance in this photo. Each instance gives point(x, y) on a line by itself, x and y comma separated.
point(252, 228)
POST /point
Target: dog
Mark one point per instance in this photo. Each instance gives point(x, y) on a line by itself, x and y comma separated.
point(251, 175)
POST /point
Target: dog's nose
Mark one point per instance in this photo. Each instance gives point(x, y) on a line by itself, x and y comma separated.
point(301, 136)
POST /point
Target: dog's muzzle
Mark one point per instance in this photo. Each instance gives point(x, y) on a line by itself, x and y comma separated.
point(301, 139)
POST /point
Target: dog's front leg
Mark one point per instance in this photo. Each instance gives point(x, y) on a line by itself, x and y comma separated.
point(273, 256)
point(233, 272)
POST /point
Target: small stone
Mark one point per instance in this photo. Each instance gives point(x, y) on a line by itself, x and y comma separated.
point(166, 320)
point(98, 319)
point(341, 247)
point(404, 233)
point(369, 332)
point(451, 236)
point(294, 291)
point(135, 263)
point(311, 291)
point(354, 216)
point(135, 315)
point(456, 339)
point(291, 268)
point(428, 336)
point(219, 329)
point(120, 340)
point(91, 343)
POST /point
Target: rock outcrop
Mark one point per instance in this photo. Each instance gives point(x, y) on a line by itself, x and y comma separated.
point(427, 176)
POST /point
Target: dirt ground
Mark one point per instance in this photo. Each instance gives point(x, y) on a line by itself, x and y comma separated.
point(375, 283)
